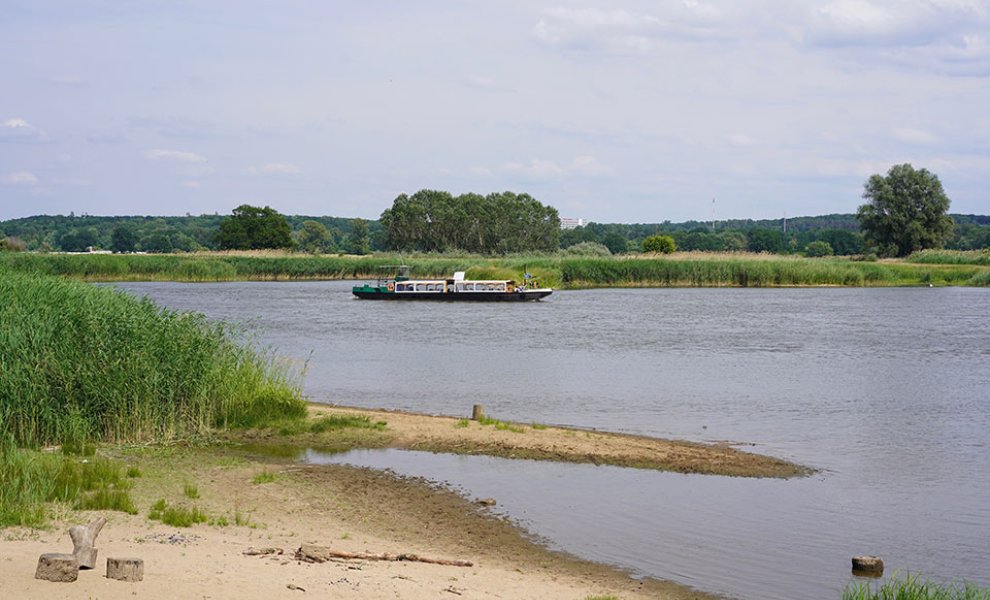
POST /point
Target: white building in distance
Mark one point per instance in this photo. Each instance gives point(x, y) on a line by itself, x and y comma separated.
point(571, 223)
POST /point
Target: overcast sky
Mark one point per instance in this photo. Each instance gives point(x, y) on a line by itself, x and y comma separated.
point(617, 111)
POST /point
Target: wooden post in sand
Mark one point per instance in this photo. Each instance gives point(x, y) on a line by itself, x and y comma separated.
point(477, 413)
point(83, 538)
point(125, 569)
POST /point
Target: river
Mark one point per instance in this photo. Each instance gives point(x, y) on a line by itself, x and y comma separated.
point(885, 391)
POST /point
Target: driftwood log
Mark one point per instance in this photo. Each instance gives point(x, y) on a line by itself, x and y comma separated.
point(83, 538)
point(318, 554)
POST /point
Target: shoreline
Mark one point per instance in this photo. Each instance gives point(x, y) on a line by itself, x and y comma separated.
point(262, 506)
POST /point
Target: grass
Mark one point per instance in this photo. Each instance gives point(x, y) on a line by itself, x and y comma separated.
point(176, 516)
point(190, 491)
point(264, 477)
point(328, 423)
point(462, 423)
point(84, 365)
point(684, 269)
point(951, 257)
point(913, 587)
point(500, 425)
point(88, 363)
point(32, 478)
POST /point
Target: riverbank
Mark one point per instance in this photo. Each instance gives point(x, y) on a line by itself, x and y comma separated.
point(686, 269)
point(259, 502)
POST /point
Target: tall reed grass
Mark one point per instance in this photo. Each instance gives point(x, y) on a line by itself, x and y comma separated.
point(951, 257)
point(557, 270)
point(81, 362)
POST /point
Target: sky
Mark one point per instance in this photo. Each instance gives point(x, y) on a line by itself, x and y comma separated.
point(617, 111)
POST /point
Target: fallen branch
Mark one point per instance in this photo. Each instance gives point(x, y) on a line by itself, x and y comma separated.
point(318, 554)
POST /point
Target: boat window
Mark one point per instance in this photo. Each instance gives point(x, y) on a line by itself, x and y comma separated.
point(420, 287)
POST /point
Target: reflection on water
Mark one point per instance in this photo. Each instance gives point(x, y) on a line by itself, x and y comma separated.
point(886, 390)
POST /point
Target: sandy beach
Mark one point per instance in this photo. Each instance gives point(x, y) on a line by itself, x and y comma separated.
point(263, 509)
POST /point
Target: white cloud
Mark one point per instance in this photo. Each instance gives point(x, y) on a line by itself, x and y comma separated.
point(175, 155)
point(19, 130)
point(537, 168)
point(274, 169)
point(20, 178)
point(488, 84)
point(912, 135)
point(69, 80)
point(740, 139)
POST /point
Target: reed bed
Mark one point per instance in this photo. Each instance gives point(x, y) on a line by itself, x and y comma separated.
point(951, 257)
point(748, 271)
point(88, 363)
point(913, 587)
point(561, 271)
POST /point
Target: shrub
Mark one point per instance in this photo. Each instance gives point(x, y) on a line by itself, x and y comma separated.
point(660, 244)
point(588, 249)
point(818, 248)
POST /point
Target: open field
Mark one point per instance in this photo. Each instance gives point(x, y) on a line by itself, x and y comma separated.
point(687, 269)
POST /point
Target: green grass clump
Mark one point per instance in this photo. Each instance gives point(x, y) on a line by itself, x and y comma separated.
point(500, 425)
point(31, 479)
point(335, 422)
point(87, 363)
point(176, 516)
point(913, 587)
point(264, 477)
point(190, 491)
point(462, 423)
point(538, 426)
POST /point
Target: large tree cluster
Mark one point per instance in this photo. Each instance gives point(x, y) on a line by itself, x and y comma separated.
point(499, 223)
point(252, 228)
point(905, 211)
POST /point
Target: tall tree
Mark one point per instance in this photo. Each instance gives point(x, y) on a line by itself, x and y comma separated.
point(123, 239)
point(359, 240)
point(251, 228)
point(905, 211)
point(313, 237)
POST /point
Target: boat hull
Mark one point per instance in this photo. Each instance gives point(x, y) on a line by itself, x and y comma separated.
point(454, 296)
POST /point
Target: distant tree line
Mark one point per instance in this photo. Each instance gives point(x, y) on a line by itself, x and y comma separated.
point(499, 223)
point(177, 234)
point(436, 221)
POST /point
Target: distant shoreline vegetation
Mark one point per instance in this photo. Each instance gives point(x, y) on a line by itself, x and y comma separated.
point(329, 235)
point(682, 269)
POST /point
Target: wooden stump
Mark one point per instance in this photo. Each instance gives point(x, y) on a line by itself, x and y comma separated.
point(867, 565)
point(57, 567)
point(125, 569)
point(477, 412)
point(83, 538)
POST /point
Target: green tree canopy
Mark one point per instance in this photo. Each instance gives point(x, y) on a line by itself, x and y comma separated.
point(123, 239)
point(252, 228)
point(313, 237)
point(905, 211)
point(359, 240)
point(499, 223)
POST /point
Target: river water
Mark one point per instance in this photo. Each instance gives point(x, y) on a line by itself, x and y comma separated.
point(885, 391)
